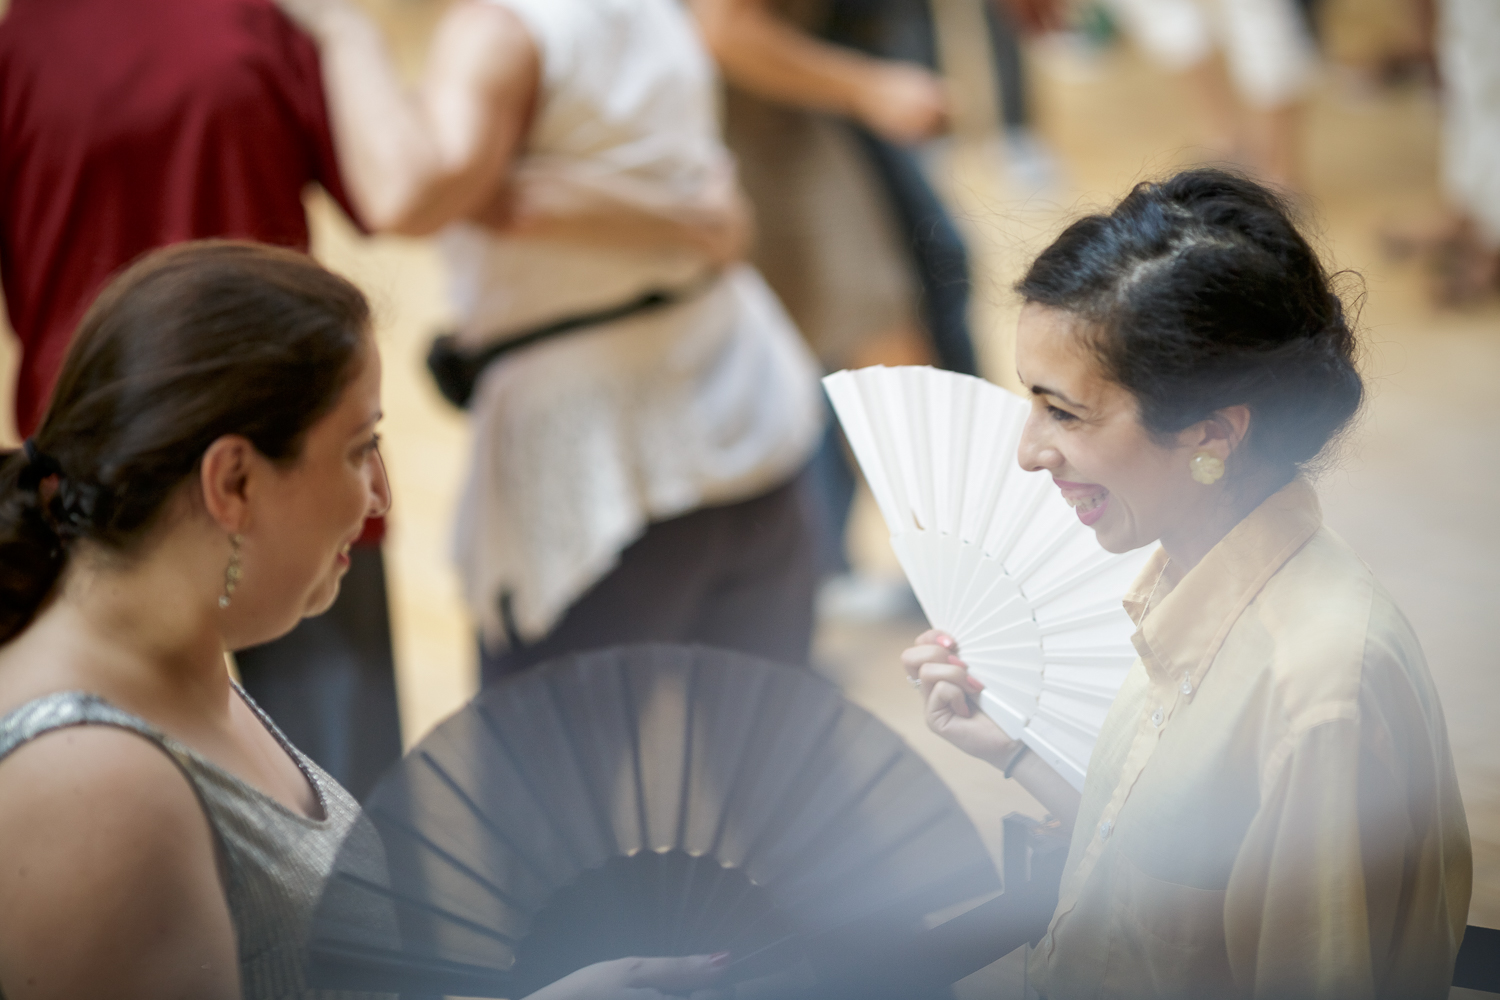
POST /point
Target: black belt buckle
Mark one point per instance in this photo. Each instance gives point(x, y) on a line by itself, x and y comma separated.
point(453, 369)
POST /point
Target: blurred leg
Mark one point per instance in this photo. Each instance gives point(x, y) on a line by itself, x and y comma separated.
point(762, 600)
point(831, 483)
point(1010, 69)
point(937, 253)
point(1271, 58)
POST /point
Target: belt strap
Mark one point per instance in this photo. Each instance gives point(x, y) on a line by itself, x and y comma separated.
point(457, 371)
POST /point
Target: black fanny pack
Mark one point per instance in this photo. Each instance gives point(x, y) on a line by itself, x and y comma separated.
point(457, 371)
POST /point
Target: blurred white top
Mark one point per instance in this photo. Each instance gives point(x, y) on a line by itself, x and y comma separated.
point(582, 440)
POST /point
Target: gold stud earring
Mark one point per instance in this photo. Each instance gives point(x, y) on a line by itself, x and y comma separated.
point(1206, 467)
point(232, 572)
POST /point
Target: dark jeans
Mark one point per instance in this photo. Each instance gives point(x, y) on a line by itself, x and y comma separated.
point(740, 576)
point(938, 255)
point(330, 683)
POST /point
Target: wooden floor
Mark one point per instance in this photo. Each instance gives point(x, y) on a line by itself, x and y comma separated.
point(1417, 493)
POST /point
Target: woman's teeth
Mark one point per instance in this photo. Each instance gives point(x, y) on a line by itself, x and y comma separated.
point(1086, 504)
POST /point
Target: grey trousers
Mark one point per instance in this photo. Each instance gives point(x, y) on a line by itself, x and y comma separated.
point(741, 576)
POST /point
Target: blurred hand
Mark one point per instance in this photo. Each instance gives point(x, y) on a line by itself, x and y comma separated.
point(1033, 16)
point(717, 221)
point(720, 222)
point(638, 979)
point(903, 103)
point(946, 690)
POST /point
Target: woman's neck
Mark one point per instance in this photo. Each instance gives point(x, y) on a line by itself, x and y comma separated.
point(146, 626)
point(1195, 536)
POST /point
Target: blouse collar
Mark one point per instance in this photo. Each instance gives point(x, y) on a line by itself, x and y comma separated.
point(1180, 629)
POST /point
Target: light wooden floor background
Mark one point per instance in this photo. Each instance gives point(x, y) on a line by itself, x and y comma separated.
point(1417, 494)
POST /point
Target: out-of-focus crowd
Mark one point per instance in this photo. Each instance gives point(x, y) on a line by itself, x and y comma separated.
point(648, 272)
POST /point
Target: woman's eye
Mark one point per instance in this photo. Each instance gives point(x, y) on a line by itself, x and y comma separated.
point(1061, 416)
point(370, 447)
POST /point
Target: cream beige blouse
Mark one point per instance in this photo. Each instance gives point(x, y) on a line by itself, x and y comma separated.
point(1271, 809)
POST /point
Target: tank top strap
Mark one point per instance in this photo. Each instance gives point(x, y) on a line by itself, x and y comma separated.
point(71, 708)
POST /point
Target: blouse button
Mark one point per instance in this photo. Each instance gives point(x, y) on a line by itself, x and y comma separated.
point(1156, 717)
point(1105, 829)
point(1187, 684)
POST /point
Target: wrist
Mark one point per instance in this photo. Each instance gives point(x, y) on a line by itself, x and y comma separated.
point(1005, 756)
point(864, 81)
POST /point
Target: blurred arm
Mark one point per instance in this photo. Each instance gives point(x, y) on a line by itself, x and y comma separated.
point(415, 162)
point(767, 55)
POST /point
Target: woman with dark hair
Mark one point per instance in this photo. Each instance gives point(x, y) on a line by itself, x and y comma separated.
point(208, 458)
point(1271, 808)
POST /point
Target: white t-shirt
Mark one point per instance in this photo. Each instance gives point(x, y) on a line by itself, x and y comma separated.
point(582, 440)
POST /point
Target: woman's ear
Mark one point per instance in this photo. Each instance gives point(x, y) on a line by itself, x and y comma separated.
point(224, 475)
point(1220, 434)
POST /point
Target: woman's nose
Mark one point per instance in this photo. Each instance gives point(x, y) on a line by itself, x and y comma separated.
point(380, 486)
point(1036, 451)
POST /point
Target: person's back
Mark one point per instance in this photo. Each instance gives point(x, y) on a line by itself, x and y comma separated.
point(124, 127)
point(584, 441)
point(625, 106)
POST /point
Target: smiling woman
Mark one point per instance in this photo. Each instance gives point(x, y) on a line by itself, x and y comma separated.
point(1271, 808)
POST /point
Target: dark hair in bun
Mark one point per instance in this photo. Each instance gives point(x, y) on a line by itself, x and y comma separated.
point(1202, 294)
point(188, 344)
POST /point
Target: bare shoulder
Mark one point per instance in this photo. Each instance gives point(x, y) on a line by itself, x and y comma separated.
point(110, 875)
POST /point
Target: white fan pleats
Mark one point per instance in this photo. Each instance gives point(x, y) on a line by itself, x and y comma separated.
point(995, 555)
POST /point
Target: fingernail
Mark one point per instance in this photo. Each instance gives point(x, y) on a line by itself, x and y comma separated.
point(945, 642)
point(719, 959)
point(974, 685)
point(957, 662)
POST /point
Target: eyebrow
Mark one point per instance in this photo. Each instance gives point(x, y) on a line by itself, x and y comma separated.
point(1041, 390)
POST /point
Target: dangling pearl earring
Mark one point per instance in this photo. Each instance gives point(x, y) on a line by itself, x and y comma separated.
point(232, 571)
point(1207, 468)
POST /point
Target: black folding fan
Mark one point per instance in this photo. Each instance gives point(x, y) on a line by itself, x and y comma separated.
point(647, 800)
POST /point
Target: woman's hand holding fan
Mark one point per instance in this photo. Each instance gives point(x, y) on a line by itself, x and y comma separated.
point(950, 694)
point(947, 687)
point(639, 979)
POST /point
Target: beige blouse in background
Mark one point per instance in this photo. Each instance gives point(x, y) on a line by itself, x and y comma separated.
point(1271, 809)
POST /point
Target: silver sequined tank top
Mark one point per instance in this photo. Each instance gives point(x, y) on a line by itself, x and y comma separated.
point(276, 860)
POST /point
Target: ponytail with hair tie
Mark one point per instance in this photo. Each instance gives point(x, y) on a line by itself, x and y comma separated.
point(39, 466)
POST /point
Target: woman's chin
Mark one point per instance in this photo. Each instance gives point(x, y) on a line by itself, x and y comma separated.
point(322, 599)
point(1116, 538)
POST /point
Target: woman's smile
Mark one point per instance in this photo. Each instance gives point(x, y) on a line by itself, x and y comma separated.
point(1088, 500)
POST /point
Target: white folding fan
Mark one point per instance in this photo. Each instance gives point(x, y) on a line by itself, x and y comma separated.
point(995, 555)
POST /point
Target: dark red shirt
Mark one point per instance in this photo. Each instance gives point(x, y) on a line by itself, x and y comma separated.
point(130, 124)
point(126, 125)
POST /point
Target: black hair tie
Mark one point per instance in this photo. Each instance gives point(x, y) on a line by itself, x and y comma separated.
point(39, 465)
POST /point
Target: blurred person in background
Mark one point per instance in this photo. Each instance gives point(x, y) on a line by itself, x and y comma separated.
point(125, 127)
point(849, 233)
point(1462, 246)
point(1248, 63)
point(635, 464)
